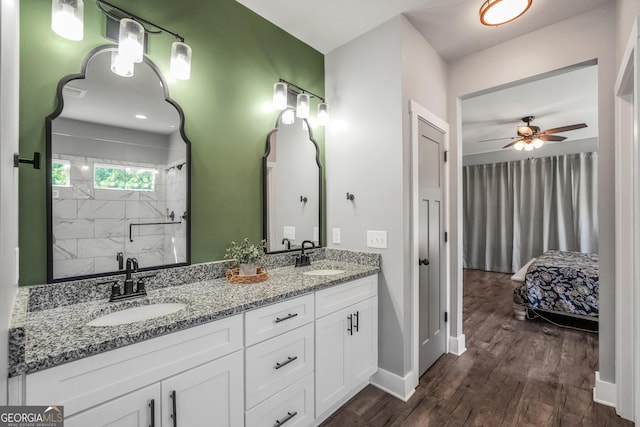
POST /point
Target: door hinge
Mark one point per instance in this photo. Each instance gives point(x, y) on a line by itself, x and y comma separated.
point(446, 156)
point(446, 236)
point(446, 316)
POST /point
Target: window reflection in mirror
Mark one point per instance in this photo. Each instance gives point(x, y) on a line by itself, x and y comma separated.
point(292, 190)
point(119, 176)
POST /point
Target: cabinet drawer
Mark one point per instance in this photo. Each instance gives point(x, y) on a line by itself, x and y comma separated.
point(272, 320)
point(340, 296)
point(293, 406)
point(277, 363)
point(90, 381)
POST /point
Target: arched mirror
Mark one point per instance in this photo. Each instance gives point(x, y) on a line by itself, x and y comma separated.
point(118, 181)
point(292, 186)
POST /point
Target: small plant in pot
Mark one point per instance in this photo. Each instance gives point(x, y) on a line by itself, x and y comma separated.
point(246, 256)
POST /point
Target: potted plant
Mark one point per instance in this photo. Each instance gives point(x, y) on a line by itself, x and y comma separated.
point(246, 255)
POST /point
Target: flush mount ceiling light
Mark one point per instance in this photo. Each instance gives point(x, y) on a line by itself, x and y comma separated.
point(281, 91)
point(498, 12)
point(67, 18)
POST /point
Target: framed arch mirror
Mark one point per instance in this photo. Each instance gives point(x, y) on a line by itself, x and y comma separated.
point(292, 185)
point(118, 172)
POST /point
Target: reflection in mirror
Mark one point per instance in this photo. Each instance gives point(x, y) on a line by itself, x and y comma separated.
point(291, 185)
point(118, 179)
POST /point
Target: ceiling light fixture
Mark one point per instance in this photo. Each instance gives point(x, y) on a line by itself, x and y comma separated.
point(498, 12)
point(67, 17)
point(281, 91)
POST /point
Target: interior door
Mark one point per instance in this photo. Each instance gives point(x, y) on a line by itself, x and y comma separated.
point(432, 328)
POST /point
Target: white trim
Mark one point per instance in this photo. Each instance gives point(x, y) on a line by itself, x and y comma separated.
point(417, 111)
point(457, 345)
point(625, 394)
point(397, 386)
point(604, 392)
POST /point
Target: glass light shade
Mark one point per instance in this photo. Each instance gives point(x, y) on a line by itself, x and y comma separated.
point(498, 12)
point(302, 106)
point(288, 117)
point(180, 66)
point(121, 66)
point(67, 17)
point(528, 146)
point(280, 96)
point(537, 143)
point(323, 114)
point(519, 145)
point(131, 40)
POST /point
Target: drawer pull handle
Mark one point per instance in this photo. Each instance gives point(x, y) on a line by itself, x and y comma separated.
point(285, 419)
point(286, 362)
point(350, 327)
point(174, 415)
point(152, 408)
point(289, 316)
point(356, 325)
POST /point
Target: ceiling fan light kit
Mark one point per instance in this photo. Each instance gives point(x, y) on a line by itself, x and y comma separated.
point(531, 137)
point(498, 12)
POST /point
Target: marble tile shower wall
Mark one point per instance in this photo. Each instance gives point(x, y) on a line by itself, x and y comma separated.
point(175, 242)
point(90, 226)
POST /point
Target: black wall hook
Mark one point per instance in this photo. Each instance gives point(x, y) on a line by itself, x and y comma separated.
point(35, 162)
point(350, 197)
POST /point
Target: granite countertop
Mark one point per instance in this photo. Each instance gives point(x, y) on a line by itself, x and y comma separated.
point(47, 338)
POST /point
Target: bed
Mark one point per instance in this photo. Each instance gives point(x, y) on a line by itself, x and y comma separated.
point(560, 282)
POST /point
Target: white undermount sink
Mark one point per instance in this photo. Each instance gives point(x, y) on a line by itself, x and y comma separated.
point(136, 314)
point(324, 272)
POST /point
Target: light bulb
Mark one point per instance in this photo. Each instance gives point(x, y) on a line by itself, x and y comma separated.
point(323, 114)
point(280, 96)
point(519, 145)
point(180, 66)
point(131, 40)
point(302, 106)
point(537, 143)
point(288, 117)
point(67, 18)
point(528, 146)
point(120, 65)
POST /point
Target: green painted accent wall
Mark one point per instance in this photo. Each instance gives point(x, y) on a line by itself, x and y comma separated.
point(237, 56)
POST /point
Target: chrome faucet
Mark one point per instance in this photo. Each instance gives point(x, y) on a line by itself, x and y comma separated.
point(302, 259)
point(286, 241)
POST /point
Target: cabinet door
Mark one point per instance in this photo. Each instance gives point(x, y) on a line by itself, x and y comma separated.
point(363, 344)
point(208, 395)
point(137, 409)
point(332, 381)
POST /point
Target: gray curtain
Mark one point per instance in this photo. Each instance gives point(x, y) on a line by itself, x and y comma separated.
point(514, 211)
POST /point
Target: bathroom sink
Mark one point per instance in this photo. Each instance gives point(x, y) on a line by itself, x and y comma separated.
point(136, 314)
point(325, 272)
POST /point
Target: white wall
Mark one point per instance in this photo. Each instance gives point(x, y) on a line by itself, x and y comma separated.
point(369, 82)
point(579, 39)
point(626, 13)
point(9, 75)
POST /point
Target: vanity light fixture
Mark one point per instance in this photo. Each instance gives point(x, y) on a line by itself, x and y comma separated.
point(280, 95)
point(67, 18)
point(323, 114)
point(498, 12)
point(288, 117)
point(120, 65)
point(281, 91)
point(131, 40)
point(302, 105)
point(180, 66)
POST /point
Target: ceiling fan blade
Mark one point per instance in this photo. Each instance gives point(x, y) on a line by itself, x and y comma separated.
point(497, 139)
point(513, 143)
point(552, 137)
point(563, 129)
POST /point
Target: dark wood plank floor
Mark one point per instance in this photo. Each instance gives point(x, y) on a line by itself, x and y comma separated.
point(513, 373)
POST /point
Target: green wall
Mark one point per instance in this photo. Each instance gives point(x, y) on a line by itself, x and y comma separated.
point(237, 56)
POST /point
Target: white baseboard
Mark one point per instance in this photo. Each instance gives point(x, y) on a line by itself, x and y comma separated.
point(604, 392)
point(393, 384)
point(457, 345)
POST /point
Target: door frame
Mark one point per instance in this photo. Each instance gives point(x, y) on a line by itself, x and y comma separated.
point(417, 112)
point(626, 393)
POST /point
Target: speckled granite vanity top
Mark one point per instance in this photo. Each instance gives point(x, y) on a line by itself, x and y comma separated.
point(48, 337)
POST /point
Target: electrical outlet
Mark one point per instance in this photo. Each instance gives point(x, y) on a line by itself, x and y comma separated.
point(377, 239)
point(336, 236)
point(289, 232)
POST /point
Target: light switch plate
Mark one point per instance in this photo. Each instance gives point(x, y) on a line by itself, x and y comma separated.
point(377, 239)
point(336, 236)
point(289, 232)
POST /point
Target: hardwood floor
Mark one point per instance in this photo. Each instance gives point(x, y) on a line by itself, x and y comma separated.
point(514, 373)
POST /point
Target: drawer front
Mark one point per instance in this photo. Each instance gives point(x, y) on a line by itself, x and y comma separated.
point(90, 381)
point(340, 296)
point(277, 363)
point(291, 407)
point(275, 319)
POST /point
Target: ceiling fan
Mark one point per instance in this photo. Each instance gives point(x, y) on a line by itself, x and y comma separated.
point(530, 136)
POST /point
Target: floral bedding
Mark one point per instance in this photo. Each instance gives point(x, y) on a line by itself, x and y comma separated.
point(565, 282)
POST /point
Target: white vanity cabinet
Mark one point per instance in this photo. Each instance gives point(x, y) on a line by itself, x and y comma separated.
point(346, 341)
